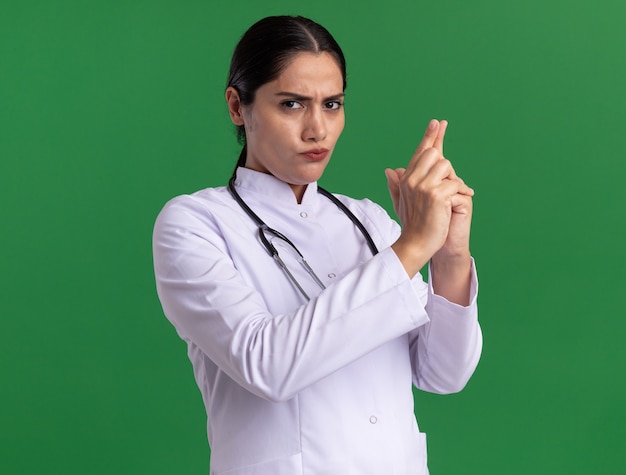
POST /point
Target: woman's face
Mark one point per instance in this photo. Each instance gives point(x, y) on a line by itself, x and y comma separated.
point(295, 121)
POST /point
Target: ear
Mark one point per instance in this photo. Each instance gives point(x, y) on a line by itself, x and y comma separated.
point(234, 106)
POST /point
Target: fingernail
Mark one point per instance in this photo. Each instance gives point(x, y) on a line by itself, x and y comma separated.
point(433, 124)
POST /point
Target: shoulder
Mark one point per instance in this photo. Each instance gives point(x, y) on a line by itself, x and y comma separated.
point(203, 214)
point(202, 203)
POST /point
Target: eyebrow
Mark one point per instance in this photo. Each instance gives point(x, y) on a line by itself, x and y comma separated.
point(300, 97)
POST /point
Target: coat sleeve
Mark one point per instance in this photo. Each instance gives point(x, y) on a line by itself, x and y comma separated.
point(445, 351)
point(274, 356)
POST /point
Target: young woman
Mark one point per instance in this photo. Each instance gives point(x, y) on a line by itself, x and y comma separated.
point(305, 315)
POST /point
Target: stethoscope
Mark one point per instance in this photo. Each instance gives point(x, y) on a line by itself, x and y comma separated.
point(271, 249)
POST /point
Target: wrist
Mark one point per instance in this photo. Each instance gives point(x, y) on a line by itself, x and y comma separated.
point(446, 260)
point(412, 256)
point(451, 276)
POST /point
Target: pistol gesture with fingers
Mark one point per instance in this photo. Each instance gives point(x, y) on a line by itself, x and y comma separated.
point(435, 208)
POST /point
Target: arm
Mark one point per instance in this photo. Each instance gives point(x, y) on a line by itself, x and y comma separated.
point(435, 208)
point(445, 351)
point(273, 356)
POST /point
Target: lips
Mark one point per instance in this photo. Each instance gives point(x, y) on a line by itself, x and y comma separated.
point(316, 154)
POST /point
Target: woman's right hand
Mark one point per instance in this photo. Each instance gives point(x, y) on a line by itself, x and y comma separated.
point(424, 195)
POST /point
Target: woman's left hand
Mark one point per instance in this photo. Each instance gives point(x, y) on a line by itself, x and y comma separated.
point(457, 241)
point(451, 265)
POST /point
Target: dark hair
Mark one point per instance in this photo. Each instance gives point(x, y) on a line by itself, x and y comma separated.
point(266, 49)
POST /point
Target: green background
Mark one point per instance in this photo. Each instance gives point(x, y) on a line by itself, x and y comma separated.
point(110, 108)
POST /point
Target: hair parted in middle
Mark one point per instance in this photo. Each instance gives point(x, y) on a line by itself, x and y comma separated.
point(265, 50)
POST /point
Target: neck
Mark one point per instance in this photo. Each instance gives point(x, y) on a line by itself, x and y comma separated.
point(298, 191)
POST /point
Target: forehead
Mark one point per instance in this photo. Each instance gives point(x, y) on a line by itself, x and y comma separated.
point(310, 72)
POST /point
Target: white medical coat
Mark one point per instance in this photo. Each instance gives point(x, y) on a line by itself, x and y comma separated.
point(291, 387)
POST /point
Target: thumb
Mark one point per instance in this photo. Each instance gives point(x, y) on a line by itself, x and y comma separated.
point(393, 182)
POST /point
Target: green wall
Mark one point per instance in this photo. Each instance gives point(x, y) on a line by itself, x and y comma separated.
point(110, 108)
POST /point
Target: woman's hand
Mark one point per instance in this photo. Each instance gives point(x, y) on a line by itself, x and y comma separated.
point(435, 208)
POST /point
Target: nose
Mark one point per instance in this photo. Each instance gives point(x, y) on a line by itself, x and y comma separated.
point(314, 129)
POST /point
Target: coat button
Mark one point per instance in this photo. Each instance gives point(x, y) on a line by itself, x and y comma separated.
point(332, 276)
point(373, 419)
point(303, 214)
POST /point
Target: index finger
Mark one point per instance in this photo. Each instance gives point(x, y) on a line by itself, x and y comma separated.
point(441, 132)
point(429, 138)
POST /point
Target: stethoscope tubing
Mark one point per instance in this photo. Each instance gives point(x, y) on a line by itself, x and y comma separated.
point(271, 249)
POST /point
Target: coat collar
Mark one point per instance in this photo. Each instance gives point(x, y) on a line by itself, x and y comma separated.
point(253, 182)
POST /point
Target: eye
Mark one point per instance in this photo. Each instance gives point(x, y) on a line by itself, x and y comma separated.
point(333, 105)
point(291, 105)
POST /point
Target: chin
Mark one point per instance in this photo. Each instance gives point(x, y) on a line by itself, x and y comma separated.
point(311, 177)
